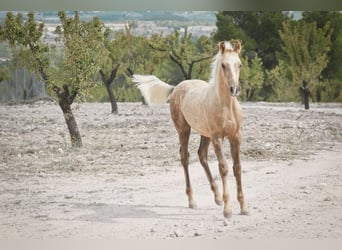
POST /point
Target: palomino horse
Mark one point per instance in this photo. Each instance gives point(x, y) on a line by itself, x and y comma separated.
point(210, 109)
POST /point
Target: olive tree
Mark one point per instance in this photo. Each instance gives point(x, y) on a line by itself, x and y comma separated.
point(306, 47)
point(183, 51)
point(67, 70)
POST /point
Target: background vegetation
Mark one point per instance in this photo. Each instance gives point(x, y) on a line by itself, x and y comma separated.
point(283, 57)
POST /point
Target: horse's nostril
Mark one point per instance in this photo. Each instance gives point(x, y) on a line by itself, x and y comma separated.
point(232, 90)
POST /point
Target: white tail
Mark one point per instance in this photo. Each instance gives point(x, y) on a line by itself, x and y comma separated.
point(154, 90)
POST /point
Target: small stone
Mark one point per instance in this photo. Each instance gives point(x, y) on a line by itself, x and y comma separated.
point(178, 233)
point(225, 223)
point(197, 234)
point(328, 198)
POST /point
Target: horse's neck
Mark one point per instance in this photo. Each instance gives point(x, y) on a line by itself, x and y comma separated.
point(221, 90)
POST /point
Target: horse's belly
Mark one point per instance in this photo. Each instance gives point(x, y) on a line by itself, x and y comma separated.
point(197, 124)
point(194, 114)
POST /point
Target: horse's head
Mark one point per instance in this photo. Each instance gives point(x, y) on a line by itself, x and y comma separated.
point(231, 64)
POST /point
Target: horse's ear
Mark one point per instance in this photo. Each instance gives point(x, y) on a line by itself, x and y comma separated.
point(237, 46)
point(222, 46)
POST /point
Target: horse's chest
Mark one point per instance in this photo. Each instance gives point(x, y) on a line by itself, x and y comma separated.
point(230, 128)
point(227, 125)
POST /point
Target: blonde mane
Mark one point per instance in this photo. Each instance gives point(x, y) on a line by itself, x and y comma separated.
point(216, 63)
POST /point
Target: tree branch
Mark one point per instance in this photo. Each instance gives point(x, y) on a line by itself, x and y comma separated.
point(130, 71)
point(179, 65)
point(40, 63)
point(72, 97)
point(201, 59)
point(103, 77)
point(113, 73)
point(155, 48)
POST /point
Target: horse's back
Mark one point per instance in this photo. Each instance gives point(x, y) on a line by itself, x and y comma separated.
point(187, 86)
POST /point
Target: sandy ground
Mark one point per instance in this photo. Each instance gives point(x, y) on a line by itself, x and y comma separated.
point(126, 182)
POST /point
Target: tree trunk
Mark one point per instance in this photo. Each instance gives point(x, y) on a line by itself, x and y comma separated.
point(108, 82)
point(305, 94)
point(302, 95)
point(65, 100)
point(306, 99)
point(76, 140)
point(112, 98)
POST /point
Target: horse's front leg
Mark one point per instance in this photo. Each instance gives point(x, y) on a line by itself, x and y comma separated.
point(223, 168)
point(203, 157)
point(235, 152)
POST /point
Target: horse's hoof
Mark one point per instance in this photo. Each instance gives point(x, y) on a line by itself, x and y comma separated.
point(227, 214)
point(219, 202)
point(244, 212)
point(192, 205)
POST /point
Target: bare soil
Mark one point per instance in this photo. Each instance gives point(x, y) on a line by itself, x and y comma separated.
point(126, 182)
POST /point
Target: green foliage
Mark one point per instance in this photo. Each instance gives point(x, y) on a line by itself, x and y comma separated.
point(74, 64)
point(306, 47)
point(169, 72)
point(4, 72)
point(5, 50)
point(83, 52)
point(97, 94)
point(282, 88)
point(185, 53)
point(251, 79)
point(139, 57)
point(257, 29)
point(327, 91)
point(278, 54)
point(228, 29)
point(27, 36)
point(16, 31)
point(127, 94)
point(334, 67)
point(314, 55)
point(123, 90)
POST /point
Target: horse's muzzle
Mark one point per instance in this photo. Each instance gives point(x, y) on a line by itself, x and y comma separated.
point(234, 91)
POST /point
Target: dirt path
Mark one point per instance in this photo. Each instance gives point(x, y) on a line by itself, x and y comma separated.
point(126, 182)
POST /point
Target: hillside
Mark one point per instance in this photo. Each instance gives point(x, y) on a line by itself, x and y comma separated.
point(147, 22)
point(200, 17)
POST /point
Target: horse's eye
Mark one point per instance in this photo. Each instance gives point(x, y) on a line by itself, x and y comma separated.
point(223, 65)
point(240, 65)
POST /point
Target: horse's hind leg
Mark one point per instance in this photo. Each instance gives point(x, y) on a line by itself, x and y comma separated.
point(203, 157)
point(184, 134)
point(235, 152)
point(183, 130)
